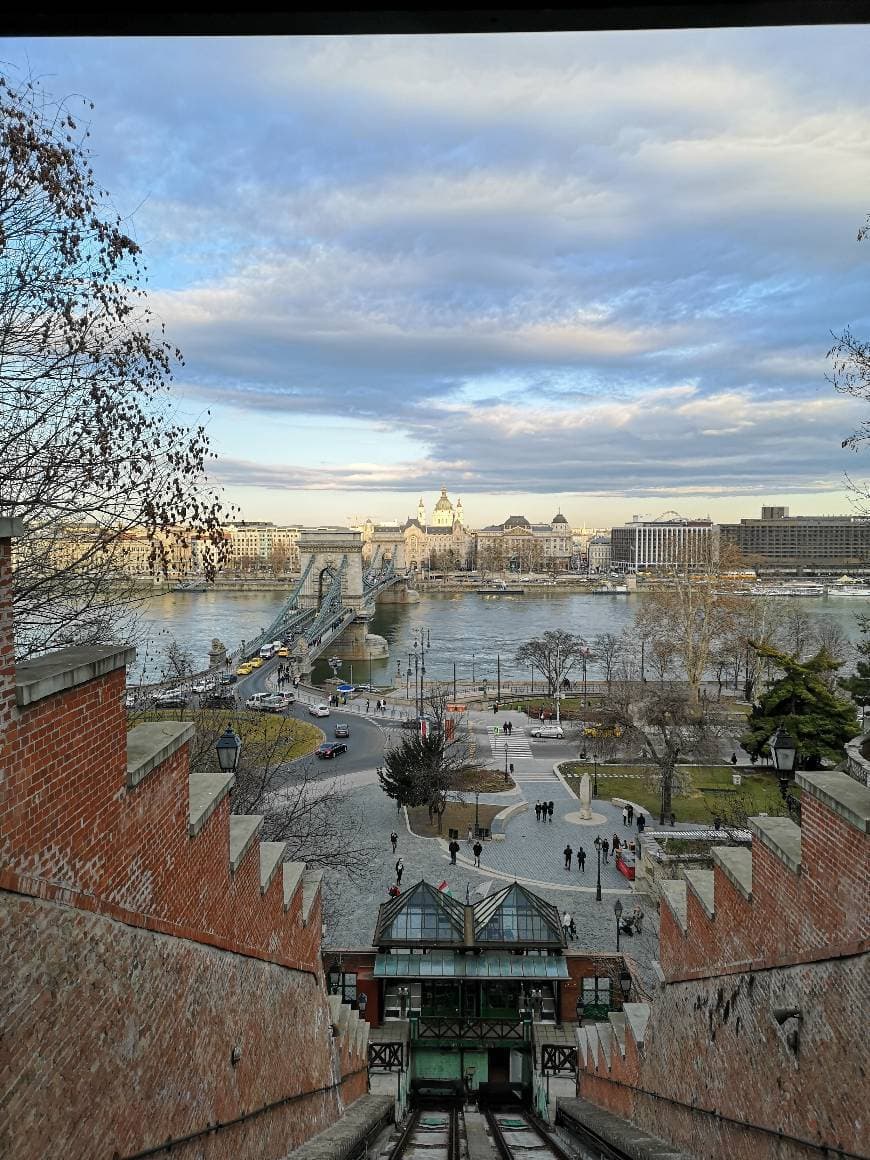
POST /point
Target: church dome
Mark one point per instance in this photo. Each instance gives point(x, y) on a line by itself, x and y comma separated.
point(559, 519)
point(443, 504)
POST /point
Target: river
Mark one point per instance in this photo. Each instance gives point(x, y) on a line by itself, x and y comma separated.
point(464, 628)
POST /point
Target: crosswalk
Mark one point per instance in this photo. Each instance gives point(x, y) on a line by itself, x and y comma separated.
point(517, 746)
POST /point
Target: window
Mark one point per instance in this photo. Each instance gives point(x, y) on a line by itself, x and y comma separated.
point(343, 983)
point(516, 920)
point(596, 991)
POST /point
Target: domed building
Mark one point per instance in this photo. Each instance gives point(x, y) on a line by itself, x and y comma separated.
point(518, 545)
point(444, 544)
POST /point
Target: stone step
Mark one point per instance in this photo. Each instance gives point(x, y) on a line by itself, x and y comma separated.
point(735, 862)
point(617, 1024)
point(271, 854)
point(636, 1019)
point(674, 894)
point(700, 882)
point(293, 872)
point(782, 837)
point(243, 829)
point(311, 880)
point(206, 792)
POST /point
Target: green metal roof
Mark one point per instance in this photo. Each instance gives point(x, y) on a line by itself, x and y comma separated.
point(449, 965)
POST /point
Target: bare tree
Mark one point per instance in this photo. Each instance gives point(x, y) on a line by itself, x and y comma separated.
point(90, 451)
point(797, 630)
point(608, 649)
point(554, 655)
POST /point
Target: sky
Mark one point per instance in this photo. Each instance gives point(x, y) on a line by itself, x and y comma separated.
point(589, 272)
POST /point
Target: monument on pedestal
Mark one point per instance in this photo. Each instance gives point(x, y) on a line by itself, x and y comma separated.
point(585, 797)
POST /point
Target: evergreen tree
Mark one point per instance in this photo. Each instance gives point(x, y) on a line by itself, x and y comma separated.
point(411, 774)
point(859, 683)
point(819, 722)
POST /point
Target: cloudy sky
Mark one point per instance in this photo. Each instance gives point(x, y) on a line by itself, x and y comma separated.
point(595, 272)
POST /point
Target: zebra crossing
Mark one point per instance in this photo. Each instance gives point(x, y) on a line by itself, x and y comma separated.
point(518, 748)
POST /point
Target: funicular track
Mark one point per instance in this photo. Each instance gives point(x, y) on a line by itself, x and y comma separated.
point(434, 1130)
point(517, 1135)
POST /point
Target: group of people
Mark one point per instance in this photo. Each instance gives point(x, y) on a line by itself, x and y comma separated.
point(543, 811)
point(628, 818)
point(507, 727)
point(285, 677)
point(476, 848)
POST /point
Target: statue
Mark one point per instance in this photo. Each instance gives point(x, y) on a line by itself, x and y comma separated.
point(217, 654)
point(585, 797)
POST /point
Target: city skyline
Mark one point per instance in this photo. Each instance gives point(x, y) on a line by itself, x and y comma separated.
point(596, 272)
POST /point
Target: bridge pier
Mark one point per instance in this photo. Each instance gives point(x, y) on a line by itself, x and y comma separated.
point(398, 594)
point(356, 643)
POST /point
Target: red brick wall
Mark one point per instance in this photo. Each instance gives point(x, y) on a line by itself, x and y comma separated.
point(712, 1044)
point(7, 648)
point(117, 1038)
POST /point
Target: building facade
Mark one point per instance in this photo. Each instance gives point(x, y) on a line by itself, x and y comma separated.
point(654, 544)
point(517, 545)
point(598, 554)
point(811, 544)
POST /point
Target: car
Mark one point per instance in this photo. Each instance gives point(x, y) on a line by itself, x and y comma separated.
point(547, 732)
point(330, 749)
point(244, 670)
point(283, 652)
point(276, 702)
point(342, 730)
point(201, 688)
point(255, 662)
point(228, 678)
point(321, 710)
point(171, 699)
point(220, 699)
point(256, 700)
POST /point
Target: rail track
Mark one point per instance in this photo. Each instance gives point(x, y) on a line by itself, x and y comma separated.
point(433, 1129)
point(518, 1136)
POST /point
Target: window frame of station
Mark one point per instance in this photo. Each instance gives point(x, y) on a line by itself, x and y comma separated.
point(347, 990)
point(601, 990)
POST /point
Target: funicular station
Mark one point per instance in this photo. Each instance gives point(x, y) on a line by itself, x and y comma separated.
point(467, 998)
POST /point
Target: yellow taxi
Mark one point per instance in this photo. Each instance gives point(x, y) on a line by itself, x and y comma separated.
point(244, 670)
point(283, 652)
point(255, 662)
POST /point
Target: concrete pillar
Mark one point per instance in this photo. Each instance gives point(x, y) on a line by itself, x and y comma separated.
point(217, 656)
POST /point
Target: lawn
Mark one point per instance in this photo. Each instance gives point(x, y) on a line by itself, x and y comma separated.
point(279, 738)
point(456, 816)
point(483, 780)
point(712, 789)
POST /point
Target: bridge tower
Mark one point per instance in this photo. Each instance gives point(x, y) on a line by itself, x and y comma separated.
point(326, 548)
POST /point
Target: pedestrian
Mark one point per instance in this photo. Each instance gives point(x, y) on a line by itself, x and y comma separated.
point(734, 759)
point(537, 811)
point(454, 850)
point(550, 811)
point(542, 716)
point(394, 839)
point(673, 820)
point(469, 838)
point(569, 854)
point(504, 726)
point(614, 845)
point(581, 860)
point(637, 915)
point(605, 850)
point(625, 815)
point(495, 710)
point(510, 726)
point(400, 869)
point(367, 704)
point(512, 769)
point(573, 928)
point(641, 822)
point(477, 850)
point(566, 926)
point(630, 813)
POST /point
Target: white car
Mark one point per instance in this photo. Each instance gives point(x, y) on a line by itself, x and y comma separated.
point(321, 710)
point(548, 732)
point(201, 688)
point(256, 700)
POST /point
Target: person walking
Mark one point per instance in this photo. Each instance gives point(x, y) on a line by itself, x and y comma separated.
point(569, 854)
point(510, 728)
point(367, 704)
point(614, 845)
point(637, 915)
point(625, 815)
point(630, 809)
point(605, 850)
point(641, 822)
point(550, 811)
point(566, 926)
point(394, 839)
point(538, 810)
point(454, 850)
point(400, 870)
point(573, 928)
point(542, 716)
point(581, 860)
point(469, 837)
point(673, 819)
point(477, 850)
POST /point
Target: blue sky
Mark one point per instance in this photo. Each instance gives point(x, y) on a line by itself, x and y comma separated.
point(595, 272)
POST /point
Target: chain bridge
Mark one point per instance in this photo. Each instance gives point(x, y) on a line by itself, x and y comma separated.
point(333, 601)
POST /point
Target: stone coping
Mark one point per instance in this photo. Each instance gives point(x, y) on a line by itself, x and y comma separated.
point(735, 862)
point(66, 669)
point(841, 794)
point(782, 837)
point(151, 744)
point(11, 528)
point(632, 1141)
point(343, 1138)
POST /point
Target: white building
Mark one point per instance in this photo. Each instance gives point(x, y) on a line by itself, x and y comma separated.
point(671, 539)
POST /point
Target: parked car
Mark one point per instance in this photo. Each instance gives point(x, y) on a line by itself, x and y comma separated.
point(276, 702)
point(201, 688)
point(342, 730)
point(228, 678)
point(330, 749)
point(548, 732)
point(223, 698)
point(256, 701)
point(171, 699)
point(321, 710)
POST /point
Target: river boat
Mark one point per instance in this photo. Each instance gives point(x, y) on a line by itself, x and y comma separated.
point(788, 589)
point(187, 586)
point(500, 590)
point(854, 591)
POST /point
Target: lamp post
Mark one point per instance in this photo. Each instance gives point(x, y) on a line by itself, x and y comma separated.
point(598, 880)
point(505, 763)
point(370, 670)
point(584, 657)
point(595, 775)
point(617, 910)
point(472, 668)
point(784, 754)
point(477, 813)
point(229, 746)
point(498, 670)
point(408, 681)
point(625, 985)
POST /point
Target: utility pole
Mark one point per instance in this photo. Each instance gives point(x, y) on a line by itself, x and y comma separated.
point(498, 662)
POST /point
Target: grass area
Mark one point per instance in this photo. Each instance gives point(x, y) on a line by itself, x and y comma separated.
point(281, 738)
point(483, 780)
point(712, 790)
point(456, 816)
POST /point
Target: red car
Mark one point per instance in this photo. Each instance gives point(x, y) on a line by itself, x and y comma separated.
point(330, 749)
point(625, 863)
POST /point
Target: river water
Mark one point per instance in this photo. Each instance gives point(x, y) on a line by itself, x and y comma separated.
point(464, 628)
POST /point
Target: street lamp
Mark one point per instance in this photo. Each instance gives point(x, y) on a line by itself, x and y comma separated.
point(625, 985)
point(585, 653)
point(505, 763)
point(617, 910)
point(784, 754)
point(228, 747)
point(472, 668)
point(598, 880)
point(477, 813)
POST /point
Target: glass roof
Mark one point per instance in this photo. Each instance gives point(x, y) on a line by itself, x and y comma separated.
point(514, 914)
point(489, 965)
point(422, 914)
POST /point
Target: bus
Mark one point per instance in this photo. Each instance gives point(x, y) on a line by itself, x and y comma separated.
point(267, 652)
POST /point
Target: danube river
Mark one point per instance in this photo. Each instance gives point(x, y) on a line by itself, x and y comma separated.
point(464, 628)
